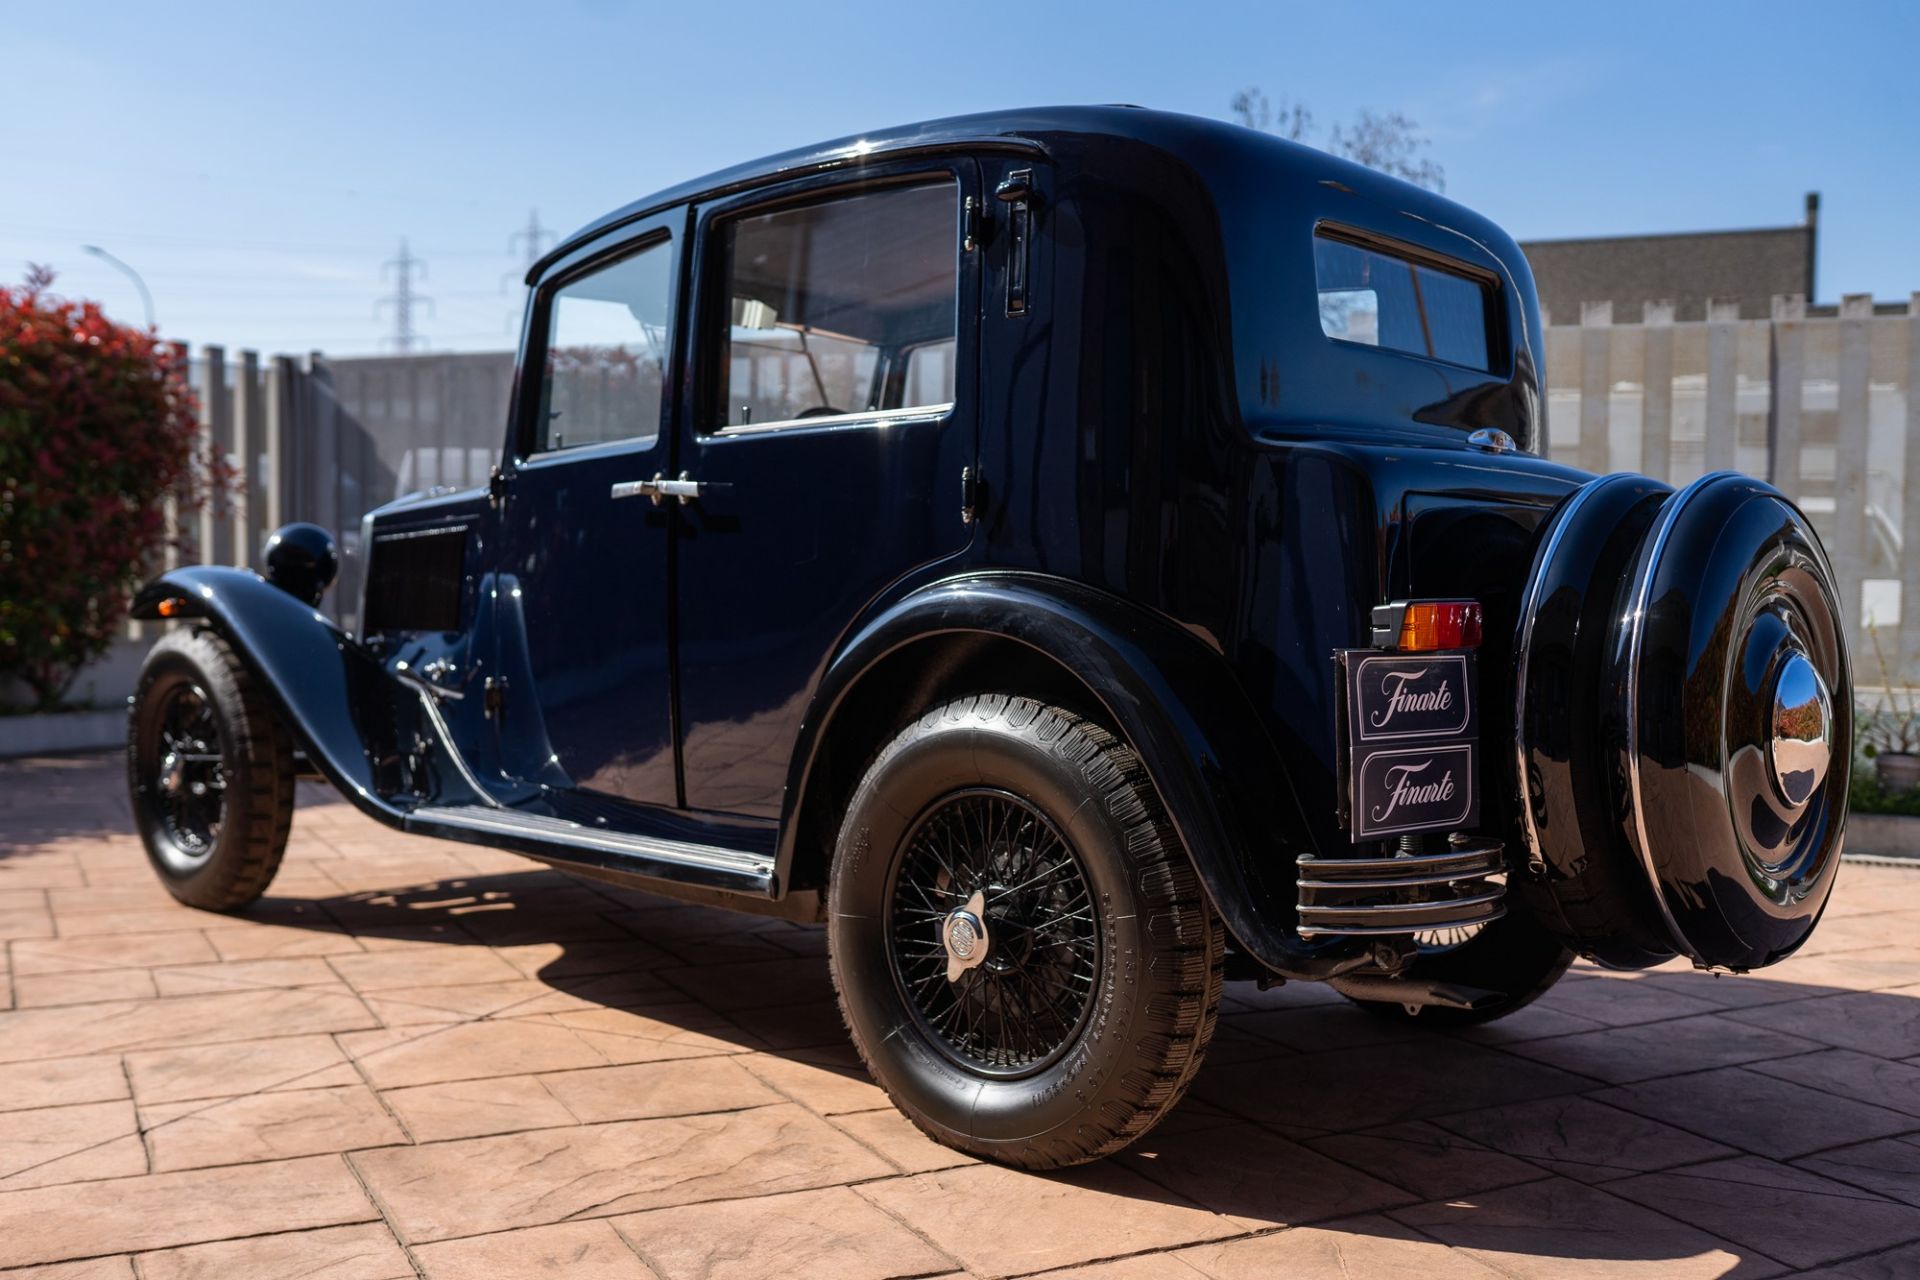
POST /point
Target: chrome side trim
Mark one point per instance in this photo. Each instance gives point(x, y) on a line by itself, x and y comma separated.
point(1637, 621)
point(878, 418)
point(498, 821)
point(432, 708)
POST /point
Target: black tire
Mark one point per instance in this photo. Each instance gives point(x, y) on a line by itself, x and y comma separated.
point(1513, 956)
point(210, 769)
point(1147, 948)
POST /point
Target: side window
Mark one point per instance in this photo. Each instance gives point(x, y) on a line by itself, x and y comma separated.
point(846, 306)
point(1382, 300)
point(606, 357)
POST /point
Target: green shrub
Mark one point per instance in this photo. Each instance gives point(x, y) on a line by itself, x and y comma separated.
point(1868, 796)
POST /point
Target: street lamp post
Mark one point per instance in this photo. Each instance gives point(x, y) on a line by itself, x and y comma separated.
point(131, 274)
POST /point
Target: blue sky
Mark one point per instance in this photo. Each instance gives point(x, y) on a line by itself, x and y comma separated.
point(257, 162)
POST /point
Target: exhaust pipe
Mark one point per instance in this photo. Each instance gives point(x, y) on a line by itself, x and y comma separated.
point(1413, 993)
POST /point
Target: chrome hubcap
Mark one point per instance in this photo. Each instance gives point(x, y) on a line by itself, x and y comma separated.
point(964, 934)
point(1800, 747)
point(189, 779)
point(994, 933)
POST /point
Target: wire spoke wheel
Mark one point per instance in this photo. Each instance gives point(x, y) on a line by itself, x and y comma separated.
point(189, 783)
point(1024, 956)
point(993, 933)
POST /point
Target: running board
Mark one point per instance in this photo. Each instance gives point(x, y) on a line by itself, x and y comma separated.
point(558, 840)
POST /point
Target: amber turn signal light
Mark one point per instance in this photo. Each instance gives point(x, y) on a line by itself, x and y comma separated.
point(171, 607)
point(1423, 625)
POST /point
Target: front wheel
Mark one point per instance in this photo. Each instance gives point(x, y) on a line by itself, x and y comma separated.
point(1022, 950)
point(210, 769)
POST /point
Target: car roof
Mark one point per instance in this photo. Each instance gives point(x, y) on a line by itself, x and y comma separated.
point(1027, 128)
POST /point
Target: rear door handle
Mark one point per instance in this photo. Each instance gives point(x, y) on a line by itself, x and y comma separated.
point(1017, 193)
point(659, 488)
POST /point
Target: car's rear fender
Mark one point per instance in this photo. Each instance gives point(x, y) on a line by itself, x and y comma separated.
point(1165, 690)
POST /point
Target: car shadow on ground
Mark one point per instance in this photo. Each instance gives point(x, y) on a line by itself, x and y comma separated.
point(1568, 1132)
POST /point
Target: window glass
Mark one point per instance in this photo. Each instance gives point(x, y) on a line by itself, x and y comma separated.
point(607, 339)
point(843, 307)
point(1382, 300)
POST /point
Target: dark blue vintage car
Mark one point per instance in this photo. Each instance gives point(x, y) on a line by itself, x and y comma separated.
point(1080, 555)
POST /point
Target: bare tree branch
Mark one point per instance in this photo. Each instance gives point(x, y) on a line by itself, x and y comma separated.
point(1255, 110)
point(1389, 142)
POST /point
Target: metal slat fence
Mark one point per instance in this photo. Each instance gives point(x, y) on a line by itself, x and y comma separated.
point(329, 440)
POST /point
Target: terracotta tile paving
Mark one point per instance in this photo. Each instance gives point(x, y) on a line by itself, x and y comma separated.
point(432, 1060)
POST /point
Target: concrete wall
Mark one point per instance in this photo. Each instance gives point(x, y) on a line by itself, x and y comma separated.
point(1746, 268)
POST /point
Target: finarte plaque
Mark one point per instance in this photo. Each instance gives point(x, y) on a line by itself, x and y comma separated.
point(1412, 732)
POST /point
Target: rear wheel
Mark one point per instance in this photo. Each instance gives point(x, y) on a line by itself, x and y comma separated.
point(1022, 951)
point(210, 769)
point(1513, 957)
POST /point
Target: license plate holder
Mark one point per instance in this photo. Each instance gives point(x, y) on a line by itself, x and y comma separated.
point(1410, 742)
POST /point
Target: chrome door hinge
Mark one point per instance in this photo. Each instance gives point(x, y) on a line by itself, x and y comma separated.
point(497, 481)
point(969, 495)
point(493, 696)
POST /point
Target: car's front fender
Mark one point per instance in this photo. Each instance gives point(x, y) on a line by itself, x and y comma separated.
point(332, 695)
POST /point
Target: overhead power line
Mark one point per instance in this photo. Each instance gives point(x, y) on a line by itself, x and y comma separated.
point(532, 239)
point(403, 299)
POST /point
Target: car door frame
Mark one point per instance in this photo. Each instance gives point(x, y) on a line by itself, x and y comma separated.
point(671, 225)
point(701, 363)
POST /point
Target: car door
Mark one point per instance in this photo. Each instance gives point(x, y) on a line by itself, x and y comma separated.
point(581, 597)
point(830, 433)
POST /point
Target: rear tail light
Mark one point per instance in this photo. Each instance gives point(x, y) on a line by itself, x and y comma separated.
point(1423, 625)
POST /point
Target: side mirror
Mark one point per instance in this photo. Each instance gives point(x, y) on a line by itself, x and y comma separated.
point(301, 560)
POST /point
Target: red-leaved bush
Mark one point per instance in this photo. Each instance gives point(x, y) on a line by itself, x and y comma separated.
point(97, 431)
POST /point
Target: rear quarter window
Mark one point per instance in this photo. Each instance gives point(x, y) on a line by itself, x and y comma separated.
point(1377, 298)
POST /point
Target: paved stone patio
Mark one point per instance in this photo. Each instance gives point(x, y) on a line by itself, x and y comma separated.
point(419, 1058)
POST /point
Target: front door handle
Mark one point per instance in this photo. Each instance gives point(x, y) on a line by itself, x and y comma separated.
point(659, 488)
